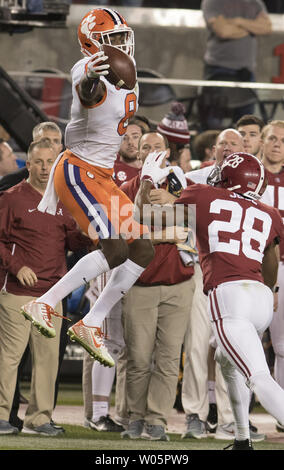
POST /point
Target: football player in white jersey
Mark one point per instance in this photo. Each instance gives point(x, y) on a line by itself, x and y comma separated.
point(236, 237)
point(82, 179)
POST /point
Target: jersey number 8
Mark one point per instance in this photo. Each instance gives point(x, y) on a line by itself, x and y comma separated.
point(130, 109)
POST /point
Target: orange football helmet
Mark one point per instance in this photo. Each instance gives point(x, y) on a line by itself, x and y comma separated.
point(105, 26)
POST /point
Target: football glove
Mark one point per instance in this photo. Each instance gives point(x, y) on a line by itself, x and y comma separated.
point(95, 68)
point(152, 171)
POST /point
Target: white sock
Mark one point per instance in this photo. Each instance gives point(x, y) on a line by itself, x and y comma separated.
point(122, 279)
point(87, 268)
point(102, 379)
point(211, 391)
point(100, 408)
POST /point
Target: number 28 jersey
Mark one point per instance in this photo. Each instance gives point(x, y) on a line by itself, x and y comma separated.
point(232, 233)
point(94, 133)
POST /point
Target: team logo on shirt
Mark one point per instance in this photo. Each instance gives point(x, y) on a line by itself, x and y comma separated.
point(121, 176)
point(90, 175)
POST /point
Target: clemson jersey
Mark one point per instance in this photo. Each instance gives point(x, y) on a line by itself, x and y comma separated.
point(274, 196)
point(94, 133)
point(232, 233)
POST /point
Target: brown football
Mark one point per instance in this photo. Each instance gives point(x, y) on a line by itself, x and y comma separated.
point(122, 71)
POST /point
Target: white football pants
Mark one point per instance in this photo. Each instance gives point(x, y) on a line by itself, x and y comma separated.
point(240, 311)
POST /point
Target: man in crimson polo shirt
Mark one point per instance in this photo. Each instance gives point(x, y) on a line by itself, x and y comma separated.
point(32, 253)
point(155, 315)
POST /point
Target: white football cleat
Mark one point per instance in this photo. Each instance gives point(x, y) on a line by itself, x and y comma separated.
point(39, 314)
point(91, 338)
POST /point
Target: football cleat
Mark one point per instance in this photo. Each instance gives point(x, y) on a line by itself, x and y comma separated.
point(240, 445)
point(105, 423)
point(91, 339)
point(212, 418)
point(39, 314)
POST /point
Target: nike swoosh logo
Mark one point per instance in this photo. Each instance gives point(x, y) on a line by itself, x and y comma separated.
point(97, 345)
point(31, 210)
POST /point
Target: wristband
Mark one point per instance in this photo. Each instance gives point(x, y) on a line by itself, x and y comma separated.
point(275, 289)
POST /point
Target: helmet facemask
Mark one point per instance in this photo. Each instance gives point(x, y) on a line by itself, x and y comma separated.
point(108, 37)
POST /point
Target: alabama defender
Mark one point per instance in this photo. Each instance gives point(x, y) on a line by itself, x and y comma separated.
point(236, 237)
point(82, 179)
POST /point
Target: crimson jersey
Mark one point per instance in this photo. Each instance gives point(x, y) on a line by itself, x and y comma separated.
point(274, 196)
point(232, 233)
point(123, 172)
point(166, 254)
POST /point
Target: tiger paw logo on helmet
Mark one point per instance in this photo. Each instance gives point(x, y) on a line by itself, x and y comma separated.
point(105, 26)
point(87, 24)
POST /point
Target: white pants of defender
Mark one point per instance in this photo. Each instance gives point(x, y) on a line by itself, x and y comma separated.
point(240, 312)
point(195, 374)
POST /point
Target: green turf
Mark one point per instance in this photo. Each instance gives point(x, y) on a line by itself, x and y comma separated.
point(80, 438)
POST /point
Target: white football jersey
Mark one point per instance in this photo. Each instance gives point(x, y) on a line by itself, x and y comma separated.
point(199, 176)
point(94, 134)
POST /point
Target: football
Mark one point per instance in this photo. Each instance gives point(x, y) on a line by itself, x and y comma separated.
point(122, 71)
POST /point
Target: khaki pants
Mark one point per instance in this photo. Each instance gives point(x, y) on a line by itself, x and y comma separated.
point(154, 319)
point(195, 373)
point(121, 409)
point(15, 333)
point(88, 362)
